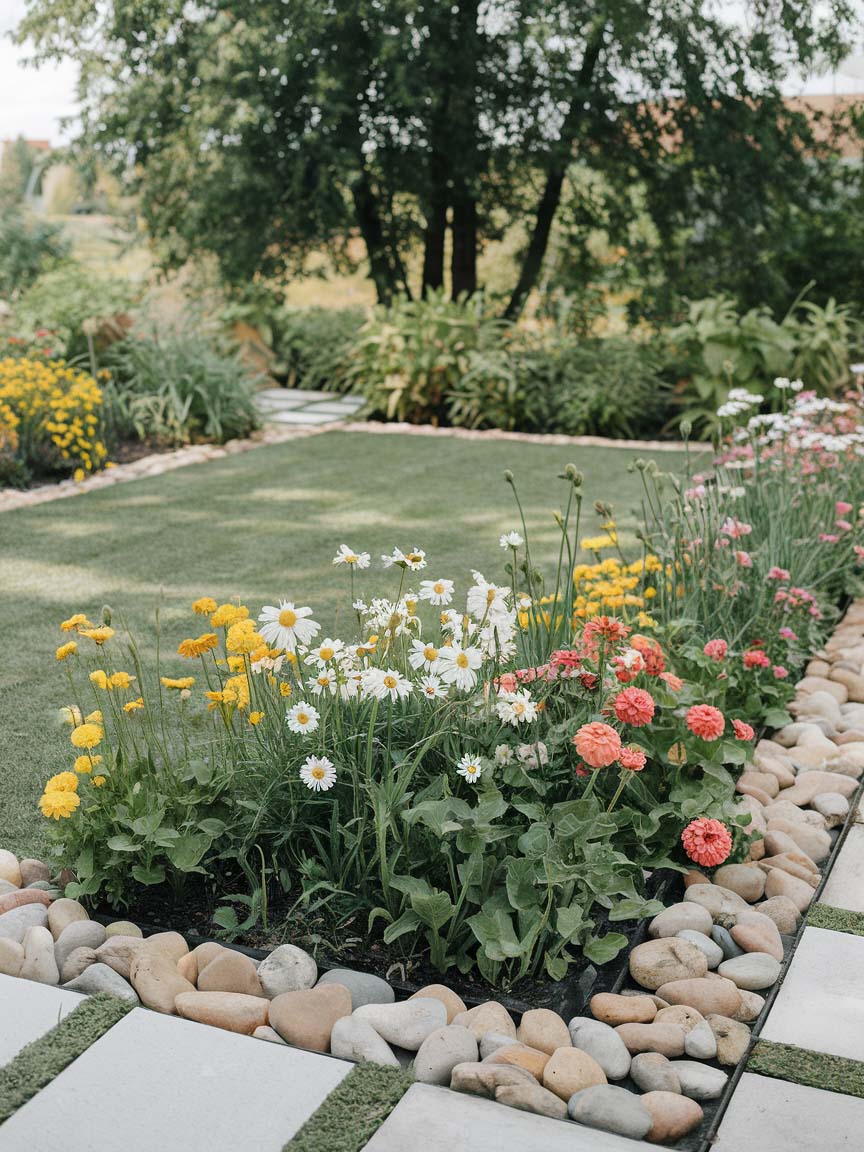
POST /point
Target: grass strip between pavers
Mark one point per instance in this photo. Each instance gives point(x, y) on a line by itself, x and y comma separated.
point(38, 1063)
point(836, 919)
point(353, 1111)
point(813, 1069)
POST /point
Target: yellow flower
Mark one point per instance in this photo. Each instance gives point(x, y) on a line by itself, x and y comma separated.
point(236, 663)
point(71, 715)
point(94, 717)
point(97, 635)
point(597, 543)
point(98, 781)
point(66, 650)
point(242, 637)
point(180, 684)
point(256, 717)
point(197, 647)
point(62, 782)
point(206, 606)
point(120, 680)
point(284, 689)
point(99, 678)
point(58, 804)
point(86, 763)
point(134, 705)
point(78, 475)
point(79, 620)
point(86, 735)
point(237, 691)
point(227, 614)
point(215, 698)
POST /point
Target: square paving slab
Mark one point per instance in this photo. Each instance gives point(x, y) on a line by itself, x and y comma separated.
point(820, 1004)
point(773, 1116)
point(845, 885)
point(28, 1011)
point(429, 1119)
point(157, 1082)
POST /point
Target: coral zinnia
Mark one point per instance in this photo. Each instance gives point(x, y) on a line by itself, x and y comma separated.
point(707, 841)
point(632, 758)
point(754, 658)
point(634, 706)
point(607, 627)
point(597, 744)
point(651, 653)
point(716, 649)
point(743, 731)
point(705, 721)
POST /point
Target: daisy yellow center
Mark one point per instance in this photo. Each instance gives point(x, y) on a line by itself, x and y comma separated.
point(439, 588)
point(414, 558)
point(318, 772)
point(287, 618)
point(325, 653)
point(324, 680)
point(490, 595)
point(350, 558)
point(302, 718)
point(518, 709)
point(430, 691)
point(430, 653)
point(462, 660)
point(471, 769)
point(390, 681)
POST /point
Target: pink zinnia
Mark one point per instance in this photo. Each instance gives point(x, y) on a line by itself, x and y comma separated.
point(828, 538)
point(842, 507)
point(735, 529)
point(707, 841)
point(705, 721)
point(843, 525)
point(634, 759)
point(780, 673)
point(675, 683)
point(597, 744)
point(634, 706)
point(754, 658)
point(776, 573)
point(743, 731)
point(744, 559)
point(716, 649)
point(787, 634)
point(506, 682)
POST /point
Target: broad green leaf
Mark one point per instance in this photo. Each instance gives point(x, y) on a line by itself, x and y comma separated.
point(186, 852)
point(155, 874)
point(434, 909)
point(602, 949)
point(122, 843)
point(409, 921)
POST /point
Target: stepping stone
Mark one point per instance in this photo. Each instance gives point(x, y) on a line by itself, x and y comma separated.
point(29, 1010)
point(337, 408)
point(775, 1116)
point(439, 1120)
point(167, 1083)
point(845, 885)
point(298, 418)
point(299, 394)
point(820, 1004)
point(272, 404)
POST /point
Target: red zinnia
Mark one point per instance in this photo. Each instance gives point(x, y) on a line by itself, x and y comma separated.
point(707, 841)
point(716, 649)
point(753, 658)
point(597, 744)
point(632, 758)
point(634, 706)
point(743, 731)
point(607, 627)
point(675, 683)
point(705, 721)
point(651, 653)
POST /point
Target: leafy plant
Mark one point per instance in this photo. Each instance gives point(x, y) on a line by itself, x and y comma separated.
point(28, 247)
point(79, 309)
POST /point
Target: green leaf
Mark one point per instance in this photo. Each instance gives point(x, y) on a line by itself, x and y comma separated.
point(409, 921)
point(570, 920)
point(122, 843)
point(635, 908)
point(212, 826)
point(521, 874)
point(434, 909)
point(556, 967)
point(602, 949)
point(155, 874)
point(147, 825)
point(225, 917)
point(202, 770)
point(185, 854)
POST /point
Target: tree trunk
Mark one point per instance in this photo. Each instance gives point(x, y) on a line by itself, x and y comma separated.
point(436, 228)
point(385, 264)
point(463, 262)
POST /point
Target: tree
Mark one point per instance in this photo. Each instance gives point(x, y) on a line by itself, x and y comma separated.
point(262, 130)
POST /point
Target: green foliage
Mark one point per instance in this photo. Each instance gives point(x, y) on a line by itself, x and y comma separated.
point(28, 247)
point(311, 344)
point(76, 307)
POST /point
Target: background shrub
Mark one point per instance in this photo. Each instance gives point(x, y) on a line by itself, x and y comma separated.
point(27, 248)
point(72, 303)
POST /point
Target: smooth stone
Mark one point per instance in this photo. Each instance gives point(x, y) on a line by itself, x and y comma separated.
point(353, 1039)
point(717, 994)
point(10, 869)
point(613, 1009)
point(64, 912)
point(39, 963)
point(765, 781)
point(287, 969)
point(14, 924)
point(667, 1039)
point(783, 810)
point(230, 972)
point(33, 871)
point(76, 963)
point(306, 1017)
point(543, 1029)
point(488, 1017)
point(11, 956)
point(569, 1070)
point(719, 901)
point(794, 864)
point(699, 1081)
point(653, 1072)
point(603, 1043)
point(492, 1041)
point(680, 1014)
point(778, 843)
point(441, 1051)
point(187, 966)
point(725, 943)
point(118, 952)
point(233, 1011)
point(753, 971)
point(733, 1039)
point(18, 897)
point(713, 951)
point(611, 1110)
point(453, 1003)
point(123, 928)
point(780, 883)
point(813, 684)
point(751, 1005)
point(5, 887)
point(746, 881)
point(78, 934)
point(532, 1059)
point(694, 876)
point(759, 938)
point(532, 1098)
point(406, 1024)
point(265, 1032)
point(832, 807)
point(700, 1042)
point(204, 954)
point(170, 944)
point(814, 842)
point(485, 1079)
point(678, 917)
point(658, 962)
point(100, 978)
point(751, 790)
point(673, 1115)
point(364, 987)
point(155, 978)
point(809, 784)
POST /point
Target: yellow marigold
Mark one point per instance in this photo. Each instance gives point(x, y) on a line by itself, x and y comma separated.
point(59, 804)
point(120, 680)
point(228, 614)
point(237, 691)
point(134, 705)
point(256, 717)
point(206, 606)
point(597, 543)
point(198, 646)
point(94, 717)
point(98, 781)
point(180, 683)
point(79, 620)
point(98, 635)
point(66, 650)
point(242, 637)
point(86, 764)
point(235, 663)
point(284, 688)
point(99, 678)
point(215, 698)
point(86, 735)
point(62, 782)
point(71, 714)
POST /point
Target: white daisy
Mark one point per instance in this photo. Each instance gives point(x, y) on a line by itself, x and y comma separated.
point(382, 682)
point(432, 687)
point(470, 767)
point(302, 718)
point(346, 555)
point(326, 651)
point(318, 773)
point(286, 626)
point(323, 682)
point(414, 560)
point(516, 708)
point(511, 540)
point(487, 600)
point(503, 754)
point(437, 592)
point(533, 755)
point(425, 656)
point(459, 666)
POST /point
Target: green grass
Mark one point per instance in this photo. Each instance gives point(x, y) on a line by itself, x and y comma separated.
point(260, 525)
point(836, 919)
point(353, 1111)
point(38, 1063)
point(814, 1069)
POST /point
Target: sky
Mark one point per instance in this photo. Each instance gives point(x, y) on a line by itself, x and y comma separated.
point(33, 103)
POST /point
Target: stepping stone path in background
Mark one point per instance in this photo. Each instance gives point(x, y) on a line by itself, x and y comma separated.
point(295, 406)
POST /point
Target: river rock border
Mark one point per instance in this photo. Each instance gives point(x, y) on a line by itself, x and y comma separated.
point(657, 1053)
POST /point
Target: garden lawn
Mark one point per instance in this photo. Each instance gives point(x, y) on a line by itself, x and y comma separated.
point(260, 526)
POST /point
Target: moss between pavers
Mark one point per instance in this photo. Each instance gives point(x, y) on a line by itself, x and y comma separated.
point(814, 1069)
point(836, 919)
point(38, 1063)
point(353, 1111)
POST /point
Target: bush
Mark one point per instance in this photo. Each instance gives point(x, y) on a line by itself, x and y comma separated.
point(311, 344)
point(28, 248)
point(77, 308)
